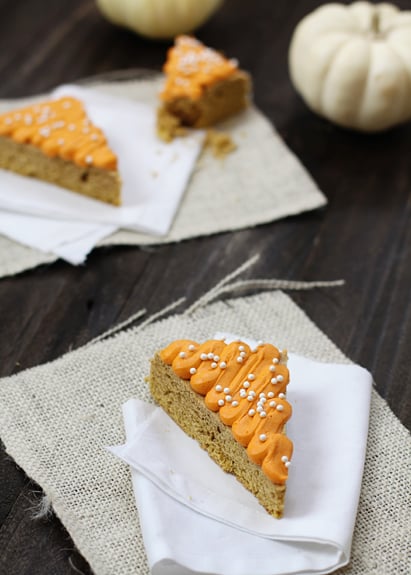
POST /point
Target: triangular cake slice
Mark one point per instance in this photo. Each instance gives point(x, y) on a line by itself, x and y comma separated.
point(201, 88)
point(231, 398)
point(56, 141)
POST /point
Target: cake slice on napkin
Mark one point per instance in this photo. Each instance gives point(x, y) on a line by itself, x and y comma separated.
point(57, 142)
point(202, 87)
point(231, 399)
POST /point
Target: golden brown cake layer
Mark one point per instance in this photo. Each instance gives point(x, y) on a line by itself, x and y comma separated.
point(219, 101)
point(187, 408)
point(28, 160)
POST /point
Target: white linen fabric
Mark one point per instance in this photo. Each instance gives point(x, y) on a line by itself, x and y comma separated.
point(217, 197)
point(154, 177)
point(75, 410)
point(186, 491)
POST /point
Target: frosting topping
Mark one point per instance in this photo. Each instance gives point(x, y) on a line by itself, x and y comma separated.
point(247, 388)
point(191, 66)
point(60, 128)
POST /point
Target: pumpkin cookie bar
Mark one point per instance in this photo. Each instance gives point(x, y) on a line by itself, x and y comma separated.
point(231, 399)
point(55, 141)
point(202, 87)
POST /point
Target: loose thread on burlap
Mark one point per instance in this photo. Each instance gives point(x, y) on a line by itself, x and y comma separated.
point(117, 327)
point(43, 509)
point(128, 322)
point(160, 313)
point(215, 290)
point(222, 287)
point(259, 284)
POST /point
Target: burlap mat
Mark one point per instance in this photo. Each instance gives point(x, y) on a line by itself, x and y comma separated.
point(255, 185)
point(56, 419)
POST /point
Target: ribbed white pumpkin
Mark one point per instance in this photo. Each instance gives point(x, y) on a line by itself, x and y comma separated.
point(159, 18)
point(352, 64)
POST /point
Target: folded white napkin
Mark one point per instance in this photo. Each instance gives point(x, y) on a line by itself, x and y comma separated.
point(154, 176)
point(197, 519)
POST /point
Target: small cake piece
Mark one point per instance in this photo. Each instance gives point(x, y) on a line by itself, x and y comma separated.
point(202, 87)
point(55, 141)
point(231, 399)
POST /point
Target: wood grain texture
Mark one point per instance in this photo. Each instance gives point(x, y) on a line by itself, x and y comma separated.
point(362, 236)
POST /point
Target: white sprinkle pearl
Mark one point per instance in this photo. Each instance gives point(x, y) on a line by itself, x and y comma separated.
point(263, 437)
point(216, 358)
point(259, 409)
point(251, 377)
point(263, 414)
point(250, 398)
point(272, 404)
point(287, 464)
point(241, 348)
point(243, 393)
point(182, 354)
point(226, 390)
point(274, 380)
point(251, 412)
point(270, 394)
point(243, 354)
point(203, 356)
point(275, 360)
point(262, 394)
point(272, 368)
point(193, 370)
point(235, 403)
point(228, 398)
point(280, 378)
point(281, 395)
point(210, 356)
point(280, 407)
point(223, 365)
point(246, 384)
point(218, 388)
point(284, 459)
point(252, 393)
point(239, 359)
point(89, 160)
point(221, 402)
point(191, 347)
point(214, 365)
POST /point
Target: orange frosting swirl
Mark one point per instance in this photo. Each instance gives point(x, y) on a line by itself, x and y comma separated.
point(60, 128)
point(191, 66)
point(247, 388)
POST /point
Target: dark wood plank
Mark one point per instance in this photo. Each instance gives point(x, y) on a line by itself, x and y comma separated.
point(363, 236)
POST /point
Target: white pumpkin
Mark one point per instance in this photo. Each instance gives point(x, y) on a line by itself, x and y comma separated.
point(352, 64)
point(159, 18)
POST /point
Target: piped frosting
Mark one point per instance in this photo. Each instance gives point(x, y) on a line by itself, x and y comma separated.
point(191, 67)
point(247, 388)
point(60, 128)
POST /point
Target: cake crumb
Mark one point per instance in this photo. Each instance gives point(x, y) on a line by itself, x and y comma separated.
point(220, 143)
point(169, 126)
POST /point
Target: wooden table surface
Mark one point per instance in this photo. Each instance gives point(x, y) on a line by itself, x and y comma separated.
point(362, 236)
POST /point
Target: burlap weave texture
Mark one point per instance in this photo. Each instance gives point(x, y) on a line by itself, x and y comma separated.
point(75, 410)
point(218, 196)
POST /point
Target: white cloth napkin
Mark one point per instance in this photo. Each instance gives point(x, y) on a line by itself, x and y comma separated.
point(197, 519)
point(154, 175)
